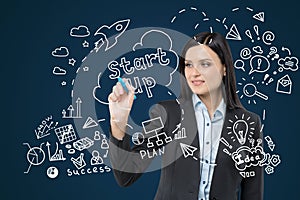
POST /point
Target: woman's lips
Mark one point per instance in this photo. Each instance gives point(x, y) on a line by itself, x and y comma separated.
point(198, 82)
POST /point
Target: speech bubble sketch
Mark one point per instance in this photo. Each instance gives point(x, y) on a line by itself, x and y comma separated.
point(116, 30)
point(239, 64)
point(268, 37)
point(259, 64)
point(80, 31)
point(289, 63)
point(284, 85)
point(59, 71)
point(35, 156)
point(233, 33)
point(60, 52)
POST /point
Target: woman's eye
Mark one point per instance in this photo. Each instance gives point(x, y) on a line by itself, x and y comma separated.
point(188, 65)
point(205, 64)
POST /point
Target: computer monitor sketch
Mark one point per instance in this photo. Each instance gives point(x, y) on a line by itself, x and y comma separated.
point(158, 125)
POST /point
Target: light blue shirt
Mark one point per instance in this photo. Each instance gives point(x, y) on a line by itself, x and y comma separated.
point(209, 131)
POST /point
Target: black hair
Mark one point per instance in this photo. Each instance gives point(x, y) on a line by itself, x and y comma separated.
point(220, 46)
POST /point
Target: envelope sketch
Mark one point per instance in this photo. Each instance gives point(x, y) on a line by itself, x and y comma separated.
point(284, 85)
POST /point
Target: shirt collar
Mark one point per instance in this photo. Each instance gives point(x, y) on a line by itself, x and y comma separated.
point(220, 111)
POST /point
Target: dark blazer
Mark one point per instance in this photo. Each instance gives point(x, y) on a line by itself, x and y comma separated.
point(180, 176)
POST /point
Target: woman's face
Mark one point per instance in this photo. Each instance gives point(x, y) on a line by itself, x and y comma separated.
point(203, 70)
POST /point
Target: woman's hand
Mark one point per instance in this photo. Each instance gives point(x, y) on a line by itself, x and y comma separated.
point(120, 104)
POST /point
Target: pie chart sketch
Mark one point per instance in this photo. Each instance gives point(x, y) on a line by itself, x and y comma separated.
point(35, 156)
point(52, 172)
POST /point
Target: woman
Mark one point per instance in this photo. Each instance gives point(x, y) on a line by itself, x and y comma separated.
point(210, 104)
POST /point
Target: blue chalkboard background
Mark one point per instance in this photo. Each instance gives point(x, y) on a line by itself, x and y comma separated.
point(30, 30)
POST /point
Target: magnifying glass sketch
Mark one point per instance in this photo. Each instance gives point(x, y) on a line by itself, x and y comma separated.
point(250, 90)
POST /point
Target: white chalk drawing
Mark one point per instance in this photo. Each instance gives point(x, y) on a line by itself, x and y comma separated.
point(59, 71)
point(80, 31)
point(270, 143)
point(79, 161)
point(89, 123)
point(245, 53)
point(158, 138)
point(233, 33)
point(52, 172)
point(188, 150)
point(35, 156)
point(259, 64)
point(284, 85)
point(65, 134)
point(259, 16)
point(72, 61)
point(117, 28)
point(83, 143)
point(57, 156)
point(96, 158)
point(60, 52)
point(137, 138)
point(239, 64)
point(289, 63)
point(241, 129)
point(85, 44)
point(268, 37)
point(181, 134)
point(45, 127)
point(71, 113)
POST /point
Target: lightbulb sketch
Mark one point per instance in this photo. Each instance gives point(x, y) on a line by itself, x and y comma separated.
point(241, 129)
